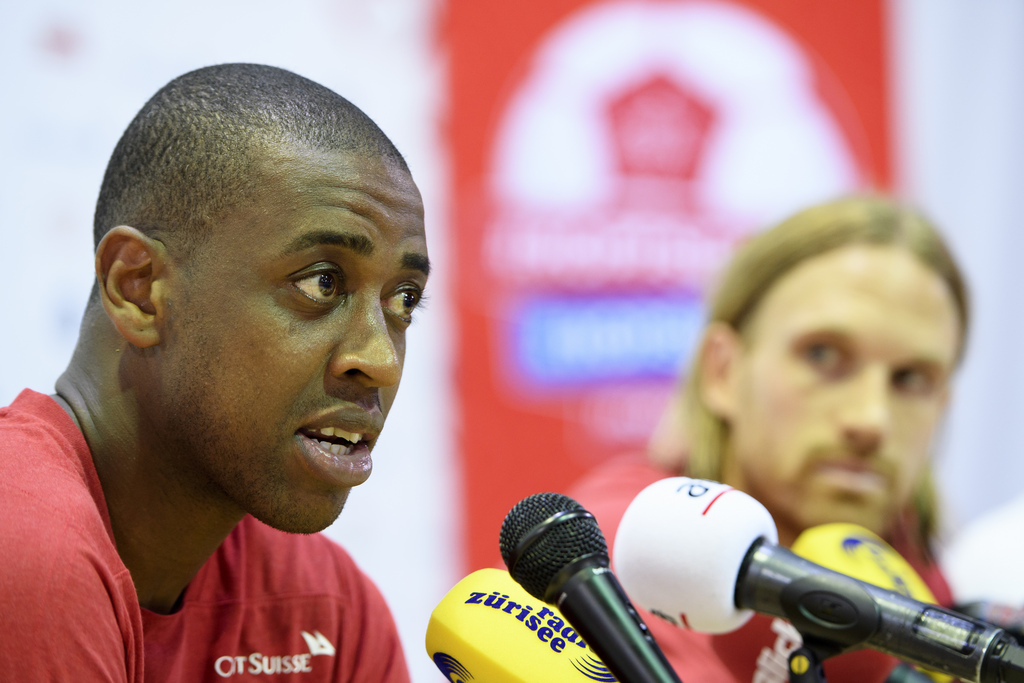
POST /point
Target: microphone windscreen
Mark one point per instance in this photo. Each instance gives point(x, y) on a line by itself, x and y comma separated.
point(487, 628)
point(544, 533)
point(679, 549)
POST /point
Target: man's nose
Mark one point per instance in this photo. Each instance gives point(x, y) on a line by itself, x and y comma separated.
point(366, 349)
point(867, 411)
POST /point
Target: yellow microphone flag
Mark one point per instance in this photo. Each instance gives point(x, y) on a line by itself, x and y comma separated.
point(488, 629)
point(853, 550)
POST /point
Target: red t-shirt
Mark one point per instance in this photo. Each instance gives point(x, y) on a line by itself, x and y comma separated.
point(757, 651)
point(265, 603)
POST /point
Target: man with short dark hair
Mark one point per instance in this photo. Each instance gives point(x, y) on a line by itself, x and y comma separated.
point(260, 252)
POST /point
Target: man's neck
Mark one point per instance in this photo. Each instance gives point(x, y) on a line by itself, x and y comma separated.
point(164, 530)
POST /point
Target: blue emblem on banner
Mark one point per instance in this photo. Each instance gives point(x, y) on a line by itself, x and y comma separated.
point(571, 341)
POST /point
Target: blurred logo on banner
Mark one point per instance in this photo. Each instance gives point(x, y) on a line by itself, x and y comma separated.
point(608, 157)
point(644, 141)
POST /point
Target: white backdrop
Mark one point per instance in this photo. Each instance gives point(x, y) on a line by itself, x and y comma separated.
point(960, 105)
point(74, 75)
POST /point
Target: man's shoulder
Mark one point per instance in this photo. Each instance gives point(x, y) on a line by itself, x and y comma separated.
point(68, 601)
point(55, 541)
point(51, 494)
point(42, 449)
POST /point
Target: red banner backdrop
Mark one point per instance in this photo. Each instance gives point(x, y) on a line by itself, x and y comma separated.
point(606, 158)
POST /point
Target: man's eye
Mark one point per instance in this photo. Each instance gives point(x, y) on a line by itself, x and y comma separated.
point(321, 287)
point(404, 302)
point(822, 354)
point(913, 381)
point(825, 358)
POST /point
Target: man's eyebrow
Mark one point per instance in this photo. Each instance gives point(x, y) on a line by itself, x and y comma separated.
point(416, 262)
point(360, 244)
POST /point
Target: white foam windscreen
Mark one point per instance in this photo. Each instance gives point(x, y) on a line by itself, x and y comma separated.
point(679, 548)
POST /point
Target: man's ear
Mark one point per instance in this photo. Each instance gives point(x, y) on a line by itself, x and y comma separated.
point(720, 354)
point(130, 268)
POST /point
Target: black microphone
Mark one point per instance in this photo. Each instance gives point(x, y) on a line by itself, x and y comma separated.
point(683, 539)
point(555, 550)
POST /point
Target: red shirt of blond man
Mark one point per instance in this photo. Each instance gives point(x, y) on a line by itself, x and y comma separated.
point(818, 387)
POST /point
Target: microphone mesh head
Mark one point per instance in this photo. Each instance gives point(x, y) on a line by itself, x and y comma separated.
point(559, 545)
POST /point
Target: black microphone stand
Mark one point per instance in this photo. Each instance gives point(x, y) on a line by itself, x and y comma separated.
point(806, 664)
point(831, 609)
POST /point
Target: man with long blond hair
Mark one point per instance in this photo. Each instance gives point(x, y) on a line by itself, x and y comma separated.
point(818, 387)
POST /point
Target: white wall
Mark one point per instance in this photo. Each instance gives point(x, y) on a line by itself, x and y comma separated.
point(960, 102)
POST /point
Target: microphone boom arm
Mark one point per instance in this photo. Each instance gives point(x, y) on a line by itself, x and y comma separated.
point(828, 606)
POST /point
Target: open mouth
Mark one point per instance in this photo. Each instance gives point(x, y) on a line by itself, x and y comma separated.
point(336, 456)
point(333, 439)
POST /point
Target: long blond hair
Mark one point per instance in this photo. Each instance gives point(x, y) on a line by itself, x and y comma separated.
point(769, 255)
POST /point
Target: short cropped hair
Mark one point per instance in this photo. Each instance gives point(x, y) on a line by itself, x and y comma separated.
point(191, 152)
point(768, 256)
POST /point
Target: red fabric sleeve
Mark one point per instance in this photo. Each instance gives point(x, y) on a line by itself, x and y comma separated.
point(63, 617)
point(68, 603)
